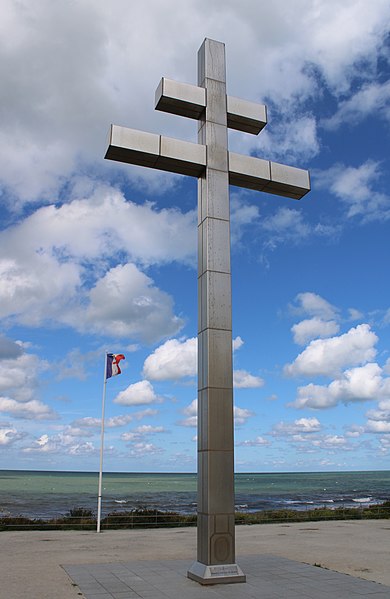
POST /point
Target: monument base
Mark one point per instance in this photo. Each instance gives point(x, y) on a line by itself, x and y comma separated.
point(216, 574)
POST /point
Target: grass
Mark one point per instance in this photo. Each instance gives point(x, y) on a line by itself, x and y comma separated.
point(84, 519)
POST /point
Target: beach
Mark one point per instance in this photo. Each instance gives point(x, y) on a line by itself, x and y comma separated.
point(30, 561)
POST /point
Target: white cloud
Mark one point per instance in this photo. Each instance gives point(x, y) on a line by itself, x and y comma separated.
point(241, 415)
point(355, 314)
point(140, 393)
point(328, 356)
point(121, 420)
point(126, 303)
point(332, 442)
point(311, 328)
point(9, 436)
point(298, 427)
point(74, 431)
point(237, 343)
point(286, 223)
point(100, 223)
point(386, 367)
point(74, 363)
point(113, 421)
point(242, 215)
point(191, 411)
point(88, 421)
point(56, 264)
point(147, 429)
point(177, 359)
point(377, 427)
point(19, 377)
point(30, 410)
point(378, 421)
point(364, 383)
point(272, 397)
point(47, 130)
point(81, 449)
point(244, 380)
point(383, 411)
point(372, 97)
point(315, 306)
point(258, 442)
point(148, 412)
point(142, 449)
point(141, 431)
point(354, 186)
point(354, 431)
point(61, 444)
point(384, 445)
point(9, 349)
point(291, 139)
point(173, 360)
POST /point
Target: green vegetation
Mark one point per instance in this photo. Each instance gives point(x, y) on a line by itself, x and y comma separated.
point(84, 519)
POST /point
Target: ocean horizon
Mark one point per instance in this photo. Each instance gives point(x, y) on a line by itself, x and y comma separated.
point(52, 493)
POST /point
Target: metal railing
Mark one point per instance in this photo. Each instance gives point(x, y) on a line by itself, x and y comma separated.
point(84, 519)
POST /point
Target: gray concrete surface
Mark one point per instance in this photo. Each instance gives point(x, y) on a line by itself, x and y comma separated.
point(31, 562)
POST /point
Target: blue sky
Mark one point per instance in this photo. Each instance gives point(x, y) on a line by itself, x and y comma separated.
point(98, 256)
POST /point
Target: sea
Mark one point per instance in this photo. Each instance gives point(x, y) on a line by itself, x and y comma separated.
point(47, 495)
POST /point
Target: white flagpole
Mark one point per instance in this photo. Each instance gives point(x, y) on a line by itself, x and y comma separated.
point(101, 447)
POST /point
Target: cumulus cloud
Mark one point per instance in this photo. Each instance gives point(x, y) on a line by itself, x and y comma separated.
point(332, 442)
point(356, 188)
point(241, 415)
point(328, 356)
point(173, 360)
point(49, 133)
point(298, 427)
point(244, 380)
point(137, 394)
point(126, 303)
point(383, 410)
point(285, 225)
point(57, 263)
point(364, 383)
point(30, 410)
point(378, 427)
point(112, 422)
point(8, 436)
point(378, 420)
point(191, 411)
point(258, 442)
point(9, 350)
point(19, 384)
point(140, 432)
point(372, 97)
point(314, 305)
point(100, 223)
point(293, 139)
point(61, 444)
point(176, 359)
point(142, 449)
point(312, 328)
point(237, 343)
point(19, 377)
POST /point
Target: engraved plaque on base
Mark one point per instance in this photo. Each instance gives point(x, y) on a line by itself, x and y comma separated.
point(218, 574)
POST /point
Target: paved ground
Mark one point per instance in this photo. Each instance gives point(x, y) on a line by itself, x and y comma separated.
point(268, 577)
point(32, 562)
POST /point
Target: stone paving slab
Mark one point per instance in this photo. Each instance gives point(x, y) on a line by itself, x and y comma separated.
point(268, 577)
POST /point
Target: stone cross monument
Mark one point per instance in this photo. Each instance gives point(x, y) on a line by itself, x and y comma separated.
point(215, 167)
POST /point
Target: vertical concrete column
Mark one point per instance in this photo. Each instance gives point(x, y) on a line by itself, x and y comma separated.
point(216, 536)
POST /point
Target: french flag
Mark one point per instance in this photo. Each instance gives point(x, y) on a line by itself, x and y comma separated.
point(112, 366)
